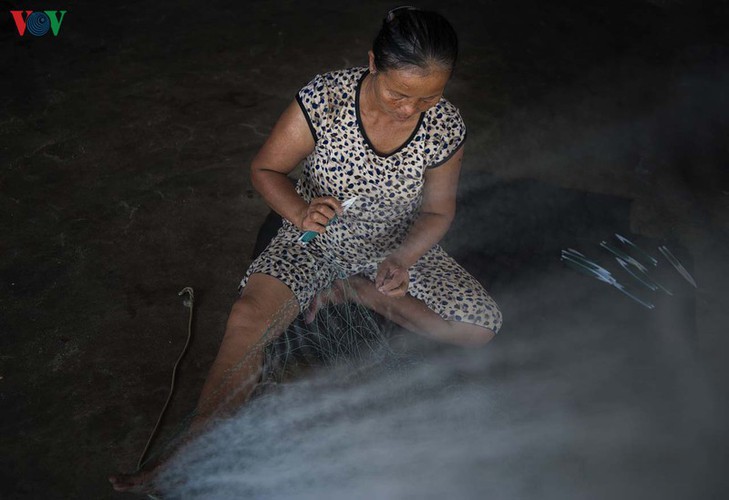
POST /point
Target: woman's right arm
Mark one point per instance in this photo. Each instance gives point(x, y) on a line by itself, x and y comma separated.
point(288, 144)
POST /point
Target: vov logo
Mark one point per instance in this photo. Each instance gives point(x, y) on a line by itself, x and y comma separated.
point(38, 22)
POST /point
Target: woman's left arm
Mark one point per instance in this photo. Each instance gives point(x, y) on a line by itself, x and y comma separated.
point(432, 223)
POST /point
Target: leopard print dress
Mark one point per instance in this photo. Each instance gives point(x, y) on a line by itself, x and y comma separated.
point(389, 190)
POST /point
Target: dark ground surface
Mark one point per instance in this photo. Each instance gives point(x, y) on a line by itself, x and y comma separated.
point(125, 142)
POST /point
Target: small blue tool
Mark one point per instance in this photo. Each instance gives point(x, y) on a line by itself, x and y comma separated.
point(310, 235)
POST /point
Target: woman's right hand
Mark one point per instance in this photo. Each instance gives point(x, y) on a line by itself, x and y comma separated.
point(318, 214)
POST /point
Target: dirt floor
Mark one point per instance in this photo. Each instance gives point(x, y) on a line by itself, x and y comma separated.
point(125, 143)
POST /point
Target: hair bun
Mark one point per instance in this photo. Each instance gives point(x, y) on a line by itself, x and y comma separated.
point(391, 15)
point(412, 37)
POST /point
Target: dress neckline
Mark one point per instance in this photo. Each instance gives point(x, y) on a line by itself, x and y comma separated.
point(360, 125)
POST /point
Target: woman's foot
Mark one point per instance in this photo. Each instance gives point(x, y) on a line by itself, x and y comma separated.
point(139, 482)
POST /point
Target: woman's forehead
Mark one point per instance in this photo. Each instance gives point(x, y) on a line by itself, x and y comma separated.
point(416, 83)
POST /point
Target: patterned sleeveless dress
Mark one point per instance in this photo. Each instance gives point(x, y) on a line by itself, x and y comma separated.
point(389, 190)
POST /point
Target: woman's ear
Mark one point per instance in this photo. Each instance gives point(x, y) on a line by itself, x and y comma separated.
point(373, 68)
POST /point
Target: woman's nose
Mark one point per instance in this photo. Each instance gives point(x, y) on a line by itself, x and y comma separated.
point(408, 109)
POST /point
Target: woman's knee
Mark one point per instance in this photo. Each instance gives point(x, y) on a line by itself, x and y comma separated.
point(244, 309)
point(251, 310)
point(470, 334)
point(262, 308)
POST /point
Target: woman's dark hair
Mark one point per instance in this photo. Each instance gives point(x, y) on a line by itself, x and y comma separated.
point(413, 37)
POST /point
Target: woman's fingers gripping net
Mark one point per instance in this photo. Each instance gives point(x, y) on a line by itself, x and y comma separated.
point(392, 278)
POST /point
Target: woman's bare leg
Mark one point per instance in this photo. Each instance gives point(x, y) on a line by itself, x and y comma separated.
point(264, 311)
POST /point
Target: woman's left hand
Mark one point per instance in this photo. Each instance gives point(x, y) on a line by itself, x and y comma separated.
point(392, 278)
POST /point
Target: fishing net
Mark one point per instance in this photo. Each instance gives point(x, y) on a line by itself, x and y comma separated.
point(345, 333)
point(596, 397)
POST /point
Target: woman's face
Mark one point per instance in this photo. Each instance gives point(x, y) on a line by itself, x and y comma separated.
point(405, 93)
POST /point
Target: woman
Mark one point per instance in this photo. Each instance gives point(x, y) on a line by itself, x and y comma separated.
point(382, 135)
